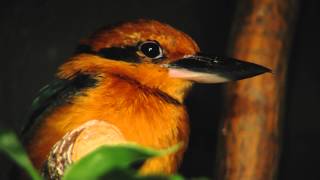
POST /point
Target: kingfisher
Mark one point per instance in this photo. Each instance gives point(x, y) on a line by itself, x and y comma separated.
point(133, 77)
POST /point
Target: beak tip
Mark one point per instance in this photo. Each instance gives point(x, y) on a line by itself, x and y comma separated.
point(262, 70)
point(250, 70)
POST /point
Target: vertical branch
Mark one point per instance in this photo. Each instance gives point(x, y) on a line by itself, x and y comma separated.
point(250, 136)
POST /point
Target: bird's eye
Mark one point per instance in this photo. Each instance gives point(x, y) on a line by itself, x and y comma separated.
point(151, 49)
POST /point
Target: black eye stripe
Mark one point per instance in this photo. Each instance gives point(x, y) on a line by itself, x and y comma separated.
point(127, 53)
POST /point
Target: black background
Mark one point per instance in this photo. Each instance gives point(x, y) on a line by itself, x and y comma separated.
point(38, 35)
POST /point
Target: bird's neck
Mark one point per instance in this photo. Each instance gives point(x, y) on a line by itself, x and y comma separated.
point(165, 93)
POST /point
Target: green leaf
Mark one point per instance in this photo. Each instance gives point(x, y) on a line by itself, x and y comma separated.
point(110, 160)
point(161, 177)
point(11, 146)
point(128, 174)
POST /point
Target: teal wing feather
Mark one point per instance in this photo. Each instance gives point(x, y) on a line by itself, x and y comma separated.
point(56, 93)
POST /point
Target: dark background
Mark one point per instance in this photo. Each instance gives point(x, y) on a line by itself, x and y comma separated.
point(38, 35)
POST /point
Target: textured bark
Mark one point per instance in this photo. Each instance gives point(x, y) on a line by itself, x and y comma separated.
point(78, 143)
point(250, 139)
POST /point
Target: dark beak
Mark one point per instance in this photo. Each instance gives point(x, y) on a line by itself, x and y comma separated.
point(213, 69)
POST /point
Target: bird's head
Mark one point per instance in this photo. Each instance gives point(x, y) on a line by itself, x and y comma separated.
point(156, 56)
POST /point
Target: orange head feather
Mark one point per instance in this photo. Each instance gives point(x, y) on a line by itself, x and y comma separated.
point(127, 37)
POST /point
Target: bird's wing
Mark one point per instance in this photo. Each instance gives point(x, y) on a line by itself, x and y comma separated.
point(56, 93)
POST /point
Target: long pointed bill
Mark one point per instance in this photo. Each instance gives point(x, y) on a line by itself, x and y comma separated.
point(204, 69)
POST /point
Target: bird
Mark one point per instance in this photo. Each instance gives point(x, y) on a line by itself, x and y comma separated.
point(133, 76)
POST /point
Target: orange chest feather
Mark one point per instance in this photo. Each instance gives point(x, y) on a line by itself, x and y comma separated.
point(142, 115)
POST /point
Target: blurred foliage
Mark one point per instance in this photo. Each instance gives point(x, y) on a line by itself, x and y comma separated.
point(113, 162)
point(11, 146)
point(107, 162)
